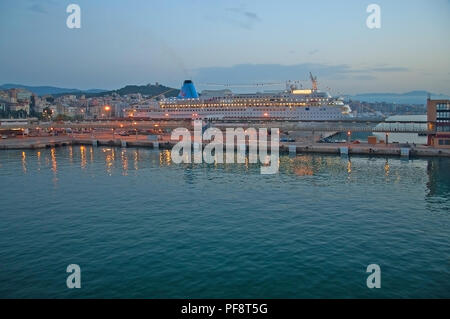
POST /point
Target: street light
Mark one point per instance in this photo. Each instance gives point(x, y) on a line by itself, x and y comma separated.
point(107, 108)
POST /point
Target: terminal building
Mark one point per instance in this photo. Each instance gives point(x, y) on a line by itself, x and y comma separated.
point(438, 118)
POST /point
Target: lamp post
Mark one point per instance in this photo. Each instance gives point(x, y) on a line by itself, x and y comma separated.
point(107, 109)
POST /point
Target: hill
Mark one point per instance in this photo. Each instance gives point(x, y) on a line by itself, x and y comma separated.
point(413, 97)
point(149, 90)
point(44, 90)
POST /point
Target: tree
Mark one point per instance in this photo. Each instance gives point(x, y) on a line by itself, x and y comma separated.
point(47, 113)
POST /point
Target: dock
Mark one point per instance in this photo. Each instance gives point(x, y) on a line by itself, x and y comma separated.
point(285, 148)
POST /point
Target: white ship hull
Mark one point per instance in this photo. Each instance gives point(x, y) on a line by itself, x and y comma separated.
point(298, 113)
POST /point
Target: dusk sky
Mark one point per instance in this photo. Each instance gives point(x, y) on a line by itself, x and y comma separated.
point(142, 41)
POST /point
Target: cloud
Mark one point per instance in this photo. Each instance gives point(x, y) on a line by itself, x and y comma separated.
point(252, 16)
point(242, 18)
point(364, 77)
point(38, 8)
point(248, 73)
point(390, 69)
point(256, 73)
point(41, 6)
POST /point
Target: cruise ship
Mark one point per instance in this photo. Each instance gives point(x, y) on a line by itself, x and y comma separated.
point(290, 104)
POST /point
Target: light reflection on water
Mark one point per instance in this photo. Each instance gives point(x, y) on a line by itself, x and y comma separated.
point(222, 230)
point(300, 165)
point(83, 157)
point(24, 162)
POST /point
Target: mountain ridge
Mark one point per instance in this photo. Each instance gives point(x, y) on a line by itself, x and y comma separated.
point(47, 89)
point(410, 97)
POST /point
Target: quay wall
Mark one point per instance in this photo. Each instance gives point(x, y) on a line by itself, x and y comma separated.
point(320, 148)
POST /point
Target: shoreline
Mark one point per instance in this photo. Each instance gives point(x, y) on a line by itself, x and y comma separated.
point(285, 148)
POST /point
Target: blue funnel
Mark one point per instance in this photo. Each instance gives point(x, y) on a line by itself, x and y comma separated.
point(188, 91)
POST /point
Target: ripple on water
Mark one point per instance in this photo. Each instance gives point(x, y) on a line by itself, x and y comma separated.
point(141, 226)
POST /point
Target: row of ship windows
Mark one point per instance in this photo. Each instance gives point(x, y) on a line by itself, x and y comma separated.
point(443, 115)
point(443, 107)
point(244, 105)
point(246, 110)
point(443, 129)
point(444, 142)
point(248, 100)
point(274, 116)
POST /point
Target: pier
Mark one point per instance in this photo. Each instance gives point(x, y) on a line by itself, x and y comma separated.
point(285, 148)
point(107, 133)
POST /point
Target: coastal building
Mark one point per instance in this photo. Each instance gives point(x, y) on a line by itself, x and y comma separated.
point(3, 105)
point(20, 106)
point(438, 118)
point(23, 95)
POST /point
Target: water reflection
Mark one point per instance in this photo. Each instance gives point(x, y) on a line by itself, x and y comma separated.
point(24, 162)
point(54, 165)
point(83, 157)
point(136, 159)
point(165, 158)
point(38, 155)
point(70, 154)
point(301, 165)
point(109, 160)
point(91, 152)
point(439, 178)
point(124, 158)
point(386, 168)
point(393, 170)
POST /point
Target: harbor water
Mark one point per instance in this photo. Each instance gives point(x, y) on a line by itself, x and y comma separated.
point(140, 226)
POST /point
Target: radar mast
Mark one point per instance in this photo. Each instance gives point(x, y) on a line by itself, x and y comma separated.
point(314, 81)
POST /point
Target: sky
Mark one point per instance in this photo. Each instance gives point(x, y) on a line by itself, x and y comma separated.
point(229, 42)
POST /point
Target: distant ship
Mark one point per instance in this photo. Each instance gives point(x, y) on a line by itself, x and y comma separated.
point(291, 104)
